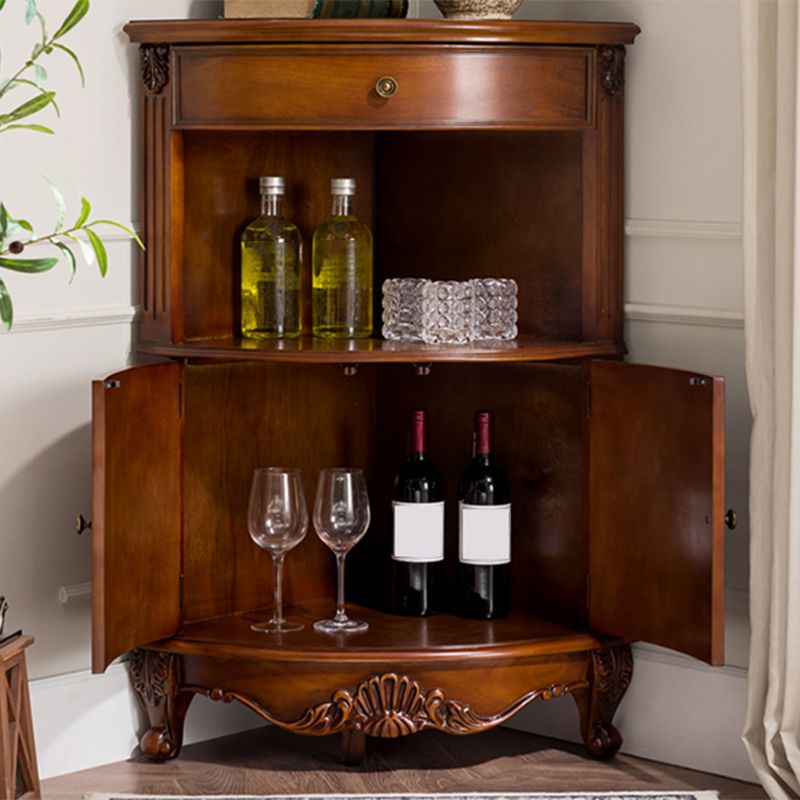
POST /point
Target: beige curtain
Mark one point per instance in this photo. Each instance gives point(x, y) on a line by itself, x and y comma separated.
point(771, 239)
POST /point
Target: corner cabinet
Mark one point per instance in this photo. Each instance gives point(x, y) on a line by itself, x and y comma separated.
point(500, 154)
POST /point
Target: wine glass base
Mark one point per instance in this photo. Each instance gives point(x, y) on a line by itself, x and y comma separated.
point(271, 626)
point(343, 626)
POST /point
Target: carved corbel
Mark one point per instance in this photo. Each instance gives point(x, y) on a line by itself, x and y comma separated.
point(612, 68)
point(155, 67)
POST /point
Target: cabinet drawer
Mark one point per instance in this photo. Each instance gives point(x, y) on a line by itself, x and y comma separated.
point(324, 87)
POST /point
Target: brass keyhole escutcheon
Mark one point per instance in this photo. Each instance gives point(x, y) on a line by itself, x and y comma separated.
point(730, 519)
point(386, 86)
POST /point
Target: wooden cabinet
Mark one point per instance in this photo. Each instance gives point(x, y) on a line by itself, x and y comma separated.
point(499, 154)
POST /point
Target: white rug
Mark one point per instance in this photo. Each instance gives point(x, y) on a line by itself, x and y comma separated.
point(680, 795)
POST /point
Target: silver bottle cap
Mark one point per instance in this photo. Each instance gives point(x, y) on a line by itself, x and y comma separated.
point(272, 184)
point(343, 186)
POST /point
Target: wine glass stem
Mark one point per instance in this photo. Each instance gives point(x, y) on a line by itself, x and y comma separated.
point(341, 614)
point(277, 570)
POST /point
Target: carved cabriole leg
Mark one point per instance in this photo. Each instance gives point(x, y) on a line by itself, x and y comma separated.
point(156, 680)
point(610, 672)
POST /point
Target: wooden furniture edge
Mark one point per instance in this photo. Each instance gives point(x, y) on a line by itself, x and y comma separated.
point(380, 32)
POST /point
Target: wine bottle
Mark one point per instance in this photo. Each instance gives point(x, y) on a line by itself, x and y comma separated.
point(341, 292)
point(484, 531)
point(271, 264)
point(418, 541)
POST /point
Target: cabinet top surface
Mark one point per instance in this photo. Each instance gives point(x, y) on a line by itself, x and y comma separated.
point(380, 31)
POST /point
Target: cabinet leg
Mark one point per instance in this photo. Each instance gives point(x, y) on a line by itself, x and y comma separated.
point(609, 676)
point(354, 746)
point(156, 680)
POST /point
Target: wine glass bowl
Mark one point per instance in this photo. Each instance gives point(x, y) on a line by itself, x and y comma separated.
point(341, 518)
point(277, 519)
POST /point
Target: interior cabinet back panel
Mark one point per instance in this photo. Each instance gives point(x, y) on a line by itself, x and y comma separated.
point(538, 440)
point(472, 204)
point(221, 197)
point(243, 416)
point(136, 509)
point(320, 86)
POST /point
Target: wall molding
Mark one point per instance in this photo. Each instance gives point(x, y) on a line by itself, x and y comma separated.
point(682, 229)
point(684, 315)
point(83, 318)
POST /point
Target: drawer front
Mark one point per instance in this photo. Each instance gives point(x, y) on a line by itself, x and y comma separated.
point(319, 87)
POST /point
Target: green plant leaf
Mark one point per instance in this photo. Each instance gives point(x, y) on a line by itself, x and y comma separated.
point(41, 74)
point(31, 106)
point(132, 233)
point(99, 249)
point(30, 11)
point(61, 206)
point(79, 11)
point(86, 249)
point(37, 128)
point(29, 265)
point(69, 257)
point(23, 223)
point(2, 3)
point(74, 57)
point(86, 209)
point(4, 218)
point(6, 309)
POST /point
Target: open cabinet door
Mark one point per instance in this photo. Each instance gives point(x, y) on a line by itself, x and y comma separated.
point(137, 507)
point(655, 513)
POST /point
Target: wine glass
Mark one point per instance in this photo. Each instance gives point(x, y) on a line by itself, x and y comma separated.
point(341, 518)
point(278, 520)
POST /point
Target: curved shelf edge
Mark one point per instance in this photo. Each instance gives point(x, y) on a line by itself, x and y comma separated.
point(379, 351)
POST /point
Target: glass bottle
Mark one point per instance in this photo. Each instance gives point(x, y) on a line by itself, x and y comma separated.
point(484, 546)
point(341, 296)
point(271, 269)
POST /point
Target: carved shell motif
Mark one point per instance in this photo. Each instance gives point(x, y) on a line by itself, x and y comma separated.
point(389, 706)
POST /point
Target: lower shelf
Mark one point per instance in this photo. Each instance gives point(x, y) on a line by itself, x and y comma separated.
point(402, 676)
point(440, 638)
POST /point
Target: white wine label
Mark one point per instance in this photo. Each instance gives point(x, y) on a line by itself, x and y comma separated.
point(484, 534)
point(418, 531)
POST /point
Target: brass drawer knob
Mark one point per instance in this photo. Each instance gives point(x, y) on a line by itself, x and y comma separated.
point(82, 524)
point(730, 519)
point(386, 86)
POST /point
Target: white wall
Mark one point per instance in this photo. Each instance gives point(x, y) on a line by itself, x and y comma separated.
point(684, 301)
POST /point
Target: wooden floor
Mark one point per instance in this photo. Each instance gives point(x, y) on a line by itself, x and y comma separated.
point(270, 761)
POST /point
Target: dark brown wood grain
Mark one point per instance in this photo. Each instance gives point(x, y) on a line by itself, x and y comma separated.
point(314, 86)
point(656, 507)
point(221, 198)
point(243, 416)
point(487, 204)
point(538, 442)
point(137, 506)
point(374, 31)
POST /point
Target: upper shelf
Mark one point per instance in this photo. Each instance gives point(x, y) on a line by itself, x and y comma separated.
point(380, 31)
point(352, 351)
